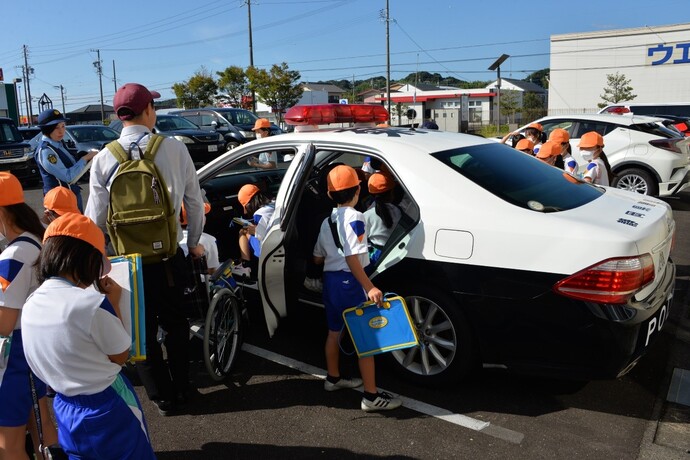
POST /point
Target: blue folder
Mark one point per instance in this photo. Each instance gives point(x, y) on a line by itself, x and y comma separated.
point(137, 308)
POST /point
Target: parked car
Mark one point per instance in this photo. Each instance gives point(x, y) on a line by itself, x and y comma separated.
point(29, 132)
point(502, 259)
point(202, 145)
point(234, 124)
point(645, 156)
point(682, 124)
point(649, 108)
point(16, 155)
point(80, 139)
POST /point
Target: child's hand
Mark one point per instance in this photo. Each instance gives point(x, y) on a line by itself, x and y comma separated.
point(375, 295)
point(110, 287)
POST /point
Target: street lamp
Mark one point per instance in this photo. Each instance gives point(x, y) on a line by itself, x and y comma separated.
point(497, 67)
point(17, 97)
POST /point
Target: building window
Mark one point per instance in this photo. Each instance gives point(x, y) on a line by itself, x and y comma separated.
point(476, 114)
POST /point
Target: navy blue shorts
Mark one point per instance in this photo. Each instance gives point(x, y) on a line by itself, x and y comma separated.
point(341, 291)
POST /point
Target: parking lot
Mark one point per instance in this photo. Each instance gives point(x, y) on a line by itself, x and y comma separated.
point(274, 405)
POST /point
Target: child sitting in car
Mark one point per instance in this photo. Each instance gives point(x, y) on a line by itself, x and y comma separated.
point(261, 207)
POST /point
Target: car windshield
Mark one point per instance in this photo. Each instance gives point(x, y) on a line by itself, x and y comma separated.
point(93, 134)
point(172, 123)
point(239, 117)
point(519, 178)
point(9, 134)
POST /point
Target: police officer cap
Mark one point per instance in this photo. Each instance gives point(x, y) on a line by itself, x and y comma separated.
point(50, 117)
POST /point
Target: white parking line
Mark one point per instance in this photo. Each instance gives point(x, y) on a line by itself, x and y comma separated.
point(419, 406)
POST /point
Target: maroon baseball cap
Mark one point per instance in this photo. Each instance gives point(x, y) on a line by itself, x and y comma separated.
point(132, 99)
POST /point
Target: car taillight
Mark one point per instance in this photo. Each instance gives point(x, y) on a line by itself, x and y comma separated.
point(667, 144)
point(611, 281)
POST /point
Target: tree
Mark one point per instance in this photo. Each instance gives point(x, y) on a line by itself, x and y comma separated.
point(540, 77)
point(200, 90)
point(234, 83)
point(509, 103)
point(532, 106)
point(618, 89)
point(277, 88)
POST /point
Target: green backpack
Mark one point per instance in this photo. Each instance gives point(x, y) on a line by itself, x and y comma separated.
point(141, 218)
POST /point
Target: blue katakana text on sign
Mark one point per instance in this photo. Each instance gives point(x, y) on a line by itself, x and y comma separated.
point(665, 52)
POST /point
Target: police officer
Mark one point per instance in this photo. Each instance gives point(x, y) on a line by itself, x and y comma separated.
point(57, 165)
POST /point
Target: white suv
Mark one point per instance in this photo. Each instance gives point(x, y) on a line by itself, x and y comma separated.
point(503, 259)
point(645, 157)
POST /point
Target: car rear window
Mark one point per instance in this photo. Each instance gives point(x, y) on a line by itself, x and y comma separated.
point(519, 178)
point(654, 129)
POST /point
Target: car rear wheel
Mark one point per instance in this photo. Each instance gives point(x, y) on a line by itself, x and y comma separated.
point(231, 145)
point(636, 180)
point(445, 351)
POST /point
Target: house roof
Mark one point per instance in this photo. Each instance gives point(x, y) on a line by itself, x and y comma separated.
point(419, 86)
point(523, 85)
point(93, 108)
point(322, 87)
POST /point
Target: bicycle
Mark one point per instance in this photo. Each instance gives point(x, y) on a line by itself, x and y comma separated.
point(221, 309)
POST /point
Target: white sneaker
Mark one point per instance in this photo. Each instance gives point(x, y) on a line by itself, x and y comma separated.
point(384, 401)
point(313, 284)
point(342, 384)
point(241, 270)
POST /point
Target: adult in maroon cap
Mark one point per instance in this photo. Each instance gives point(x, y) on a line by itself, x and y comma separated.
point(166, 383)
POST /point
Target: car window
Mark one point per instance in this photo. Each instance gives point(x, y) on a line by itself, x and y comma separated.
point(172, 123)
point(284, 157)
point(9, 133)
point(655, 129)
point(93, 134)
point(680, 110)
point(518, 178)
point(585, 126)
point(550, 125)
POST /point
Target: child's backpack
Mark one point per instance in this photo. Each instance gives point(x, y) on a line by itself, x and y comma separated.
point(141, 218)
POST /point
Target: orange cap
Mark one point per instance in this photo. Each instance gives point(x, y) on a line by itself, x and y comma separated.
point(559, 135)
point(342, 177)
point(11, 191)
point(591, 139)
point(183, 213)
point(524, 144)
point(246, 193)
point(536, 126)
point(61, 200)
point(380, 183)
point(261, 123)
point(549, 149)
point(81, 227)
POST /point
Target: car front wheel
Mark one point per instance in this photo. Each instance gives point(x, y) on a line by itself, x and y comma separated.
point(636, 180)
point(445, 350)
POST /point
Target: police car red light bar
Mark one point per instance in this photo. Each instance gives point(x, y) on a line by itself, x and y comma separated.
point(618, 110)
point(611, 281)
point(323, 114)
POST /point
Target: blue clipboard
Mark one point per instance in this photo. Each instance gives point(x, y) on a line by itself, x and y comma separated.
point(132, 282)
point(375, 329)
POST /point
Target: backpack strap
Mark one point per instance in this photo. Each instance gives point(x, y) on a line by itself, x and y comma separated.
point(152, 147)
point(26, 239)
point(334, 232)
point(121, 155)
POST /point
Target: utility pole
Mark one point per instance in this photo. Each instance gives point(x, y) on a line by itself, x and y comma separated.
point(388, 59)
point(27, 87)
point(251, 49)
point(353, 88)
point(114, 77)
point(62, 96)
point(99, 71)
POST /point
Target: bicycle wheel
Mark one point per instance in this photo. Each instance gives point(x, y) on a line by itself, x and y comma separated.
point(222, 334)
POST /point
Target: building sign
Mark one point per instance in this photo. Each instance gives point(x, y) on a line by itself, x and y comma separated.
point(669, 54)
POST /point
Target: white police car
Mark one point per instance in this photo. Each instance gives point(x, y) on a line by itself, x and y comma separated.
point(503, 260)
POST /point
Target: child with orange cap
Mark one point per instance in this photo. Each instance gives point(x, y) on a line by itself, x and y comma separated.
point(342, 249)
point(548, 152)
point(21, 226)
point(561, 136)
point(76, 342)
point(261, 207)
point(525, 146)
point(535, 133)
point(383, 216)
point(592, 149)
point(57, 202)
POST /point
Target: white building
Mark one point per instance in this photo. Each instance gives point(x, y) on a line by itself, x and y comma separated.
point(656, 60)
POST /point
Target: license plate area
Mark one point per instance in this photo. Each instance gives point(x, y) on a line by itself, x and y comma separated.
point(212, 148)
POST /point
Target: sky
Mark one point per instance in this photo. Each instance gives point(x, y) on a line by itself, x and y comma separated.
point(158, 43)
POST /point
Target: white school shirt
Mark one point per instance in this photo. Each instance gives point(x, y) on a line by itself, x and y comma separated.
point(351, 227)
point(68, 334)
point(262, 220)
point(377, 232)
point(596, 170)
point(17, 279)
point(210, 248)
point(570, 165)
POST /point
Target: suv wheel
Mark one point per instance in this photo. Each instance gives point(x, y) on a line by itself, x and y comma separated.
point(636, 180)
point(231, 145)
point(445, 351)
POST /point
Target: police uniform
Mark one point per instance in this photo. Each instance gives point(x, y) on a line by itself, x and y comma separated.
point(17, 282)
point(69, 333)
point(341, 289)
point(597, 172)
point(56, 165)
point(164, 301)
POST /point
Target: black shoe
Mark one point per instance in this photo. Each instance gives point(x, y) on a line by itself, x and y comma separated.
point(165, 408)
